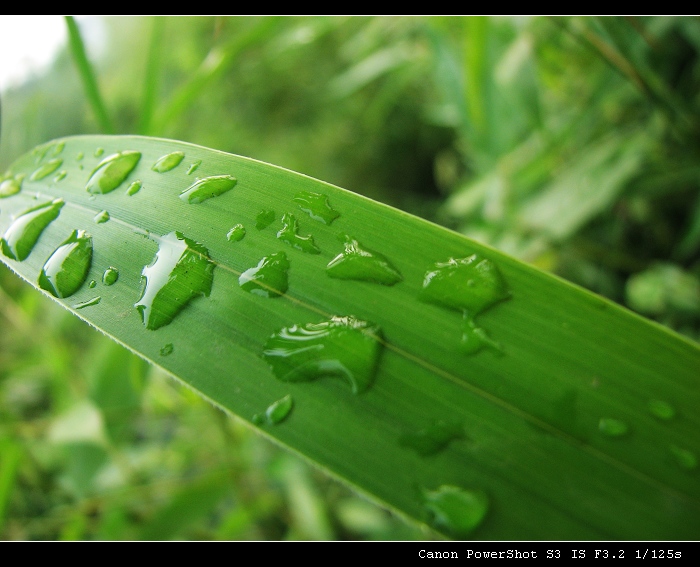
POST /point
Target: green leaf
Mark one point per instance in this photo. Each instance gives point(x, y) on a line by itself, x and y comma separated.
point(518, 411)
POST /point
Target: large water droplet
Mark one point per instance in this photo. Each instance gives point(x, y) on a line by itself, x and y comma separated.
point(45, 170)
point(236, 233)
point(264, 219)
point(167, 350)
point(21, 236)
point(278, 411)
point(455, 510)
point(268, 278)
point(470, 284)
point(110, 276)
point(686, 459)
point(288, 234)
point(101, 217)
point(432, 439)
point(358, 263)
point(612, 427)
point(67, 268)
point(661, 409)
point(112, 171)
point(316, 206)
point(88, 303)
point(134, 188)
point(168, 162)
point(193, 166)
point(342, 346)
point(180, 272)
point(208, 187)
point(10, 186)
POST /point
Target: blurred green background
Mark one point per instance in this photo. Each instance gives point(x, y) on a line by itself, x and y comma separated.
point(570, 143)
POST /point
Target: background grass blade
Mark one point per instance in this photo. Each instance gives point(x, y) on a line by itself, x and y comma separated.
point(576, 421)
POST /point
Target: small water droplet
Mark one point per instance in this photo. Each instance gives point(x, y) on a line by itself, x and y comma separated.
point(278, 411)
point(58, 148)
point(258, 419)
point(685, 459)
point(268, 278)
point(101, 217)
point(60, 176)
point(112, 171)
point(167, 349)
point(288, 234)
point(661, 409)
point(264, 219)
point(181, 271)
point(168, 162)
point(110, 276)
point(10, 187)
point(456, 510)
point(134, 188)
point(342, 346)
point(21, 236)
point(88, 303)
point(92, 284)
point(612, 427)
point(359, 263)
point(434, 438)
point(475, 339)
point(236, 233)
point(45, 170)
point(208, 187)
point(316, 205)
point(99, 152)
point(66, 269)
point(80, 156)
point(193, 167)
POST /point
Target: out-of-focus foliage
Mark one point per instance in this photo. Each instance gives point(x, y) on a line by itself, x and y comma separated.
point(571, 143)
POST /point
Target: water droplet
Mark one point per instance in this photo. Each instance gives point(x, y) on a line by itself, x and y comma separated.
point(316, 206)
point(101, 217)
point(342, 346)
point(168, 162)
point(80, 156)
point(236, 233)
point(88, 303)
point(470, 284)
point(456, 510)
point(685, 459)
point(268, 278)
point(193, 167)
point(278, 411)
point(99, 152)
point(134, 188)
point(60, 176)
point(288, 234)
point(92, 284)
point(433, 439)
point(58, 148)
point(21, 236)
point(258, 419)
point(181, 271)
point(112, 171)
point(45, 170)
point(67, 268)
point(264, 219)
point(474, 338)
point(661, 409)
point(206, 188)
point(358, 263)
point(612, 427)
point(167, 349)
point(10, 187)
point(40, 152)
point(110, 276)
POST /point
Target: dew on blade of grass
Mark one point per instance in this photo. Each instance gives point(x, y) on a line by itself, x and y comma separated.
point(268, 278)
point(316, 205)
point(112, 171)
point(612, 427)
point(180, 272)
point(110, 276)
point(67, 268)
point(10, 187)
point(264, 219)
point(208, 187)
point(236, 233)
point(45, 170)
point(167, 349)
point(88, 303)
point(168, 162)
point(289, 234)
point(684, 458)
point(343, 347)
point(21, 236)
point(359, 263)
point(101, 217)
point(278, 411)
point(193, 166)
point(432, 439)
point(134, 188)
point(661, 409)
point(455, 510)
